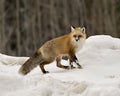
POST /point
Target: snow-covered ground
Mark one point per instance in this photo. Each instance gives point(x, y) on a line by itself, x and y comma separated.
point(100, 75)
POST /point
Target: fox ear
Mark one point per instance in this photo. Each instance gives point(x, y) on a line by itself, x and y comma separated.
point(72, 29)
point(83, 30)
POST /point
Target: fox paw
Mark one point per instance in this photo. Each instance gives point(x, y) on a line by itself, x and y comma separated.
point(45, 72)
point(72, 67)
point(66, 67)
point(80, 67)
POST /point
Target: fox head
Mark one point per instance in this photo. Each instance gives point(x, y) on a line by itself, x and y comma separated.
point(78, 34)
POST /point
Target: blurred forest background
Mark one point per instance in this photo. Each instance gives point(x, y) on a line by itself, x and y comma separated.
point(26, 24)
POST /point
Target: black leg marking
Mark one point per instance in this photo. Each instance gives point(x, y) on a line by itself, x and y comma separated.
point(71, 64)
point(76, 61)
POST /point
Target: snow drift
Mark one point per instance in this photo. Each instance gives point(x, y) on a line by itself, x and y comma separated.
point(100, 75)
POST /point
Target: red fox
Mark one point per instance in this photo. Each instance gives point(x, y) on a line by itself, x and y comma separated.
point(55, 49)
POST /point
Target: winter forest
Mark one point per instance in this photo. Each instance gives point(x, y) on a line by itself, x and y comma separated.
point(26, 24)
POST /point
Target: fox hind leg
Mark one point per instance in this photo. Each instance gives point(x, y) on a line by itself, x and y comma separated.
point(58, 61)
point(42, 67)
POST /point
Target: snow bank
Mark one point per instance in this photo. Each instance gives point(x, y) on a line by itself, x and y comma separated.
point(12, 84)
point(100, 75)
point(11, 60)
point(103, 42)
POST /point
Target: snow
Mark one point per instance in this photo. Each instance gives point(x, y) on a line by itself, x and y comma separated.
point(100, 76)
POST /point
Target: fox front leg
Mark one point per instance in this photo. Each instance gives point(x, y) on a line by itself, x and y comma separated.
point(71, 63)
point(74, 59)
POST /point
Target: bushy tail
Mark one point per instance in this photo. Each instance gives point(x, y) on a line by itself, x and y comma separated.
point(31, 63)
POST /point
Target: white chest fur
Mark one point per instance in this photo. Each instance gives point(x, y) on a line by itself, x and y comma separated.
point(78, 44)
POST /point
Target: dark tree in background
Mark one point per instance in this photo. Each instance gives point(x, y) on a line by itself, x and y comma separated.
point(26, 24)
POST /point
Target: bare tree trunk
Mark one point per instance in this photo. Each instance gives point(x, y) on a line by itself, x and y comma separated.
point(52, 10)
point(100, 17)
point(2, 33)
point(65, 14)
point(113, 16)
point(38, 11)
point(93, 17)
point(18, 27)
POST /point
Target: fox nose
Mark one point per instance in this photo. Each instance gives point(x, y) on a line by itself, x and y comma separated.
point(77, 39)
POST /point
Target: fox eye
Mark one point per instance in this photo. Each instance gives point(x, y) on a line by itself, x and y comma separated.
point(75, 36)
point(79, 36)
